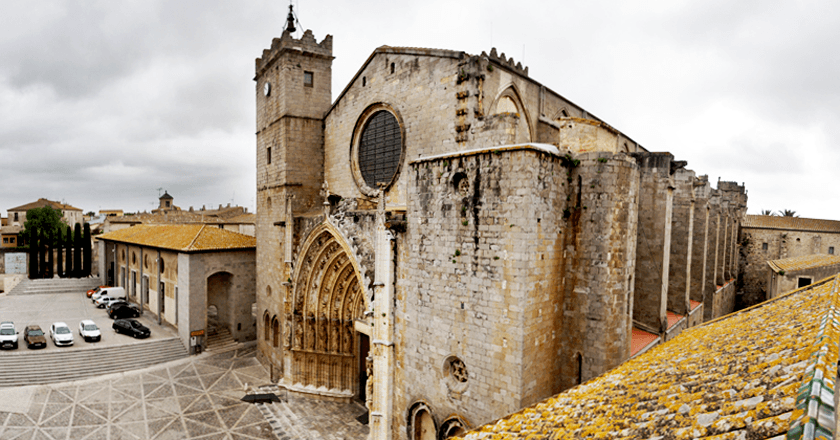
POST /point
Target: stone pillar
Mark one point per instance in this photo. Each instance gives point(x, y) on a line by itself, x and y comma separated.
point(598, 298)
point(382, 404)
point(653, 246)
point(288, 286)
point(682, 235)
point(700, 248)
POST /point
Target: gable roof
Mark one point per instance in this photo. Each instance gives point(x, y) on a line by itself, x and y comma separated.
point(746, 375)
point(790, 223)
point(804, 262)
point(40, 203)
point(182, 238)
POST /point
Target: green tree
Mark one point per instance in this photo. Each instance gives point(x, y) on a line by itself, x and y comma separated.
point(787, 213)
point(766, 212)
point(59, 267)
point(68, 246)
point(77, 251)
point(86, 249)
point(46, 219)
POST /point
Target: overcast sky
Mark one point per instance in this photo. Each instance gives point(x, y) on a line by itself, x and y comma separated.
point(104, 102)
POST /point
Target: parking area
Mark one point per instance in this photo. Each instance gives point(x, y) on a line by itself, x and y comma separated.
point(70, 308)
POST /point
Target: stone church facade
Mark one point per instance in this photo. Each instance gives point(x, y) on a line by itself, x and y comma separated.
point(449, 240)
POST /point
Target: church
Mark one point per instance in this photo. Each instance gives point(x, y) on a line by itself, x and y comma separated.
point(448, 240)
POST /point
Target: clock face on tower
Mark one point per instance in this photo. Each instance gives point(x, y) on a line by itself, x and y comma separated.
point(267, 88)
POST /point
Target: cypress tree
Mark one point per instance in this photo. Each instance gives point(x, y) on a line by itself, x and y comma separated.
point(33, 255)
point(87, 252)
point(42, 253)
point(59, 250)
point(68, 242)
point(51, 249)
point(77, 252)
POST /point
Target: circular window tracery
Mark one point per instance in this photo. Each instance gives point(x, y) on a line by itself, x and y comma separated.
point(458, 370)
point(379, 149)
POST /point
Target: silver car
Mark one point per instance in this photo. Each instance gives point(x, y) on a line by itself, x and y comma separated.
point(61, 334)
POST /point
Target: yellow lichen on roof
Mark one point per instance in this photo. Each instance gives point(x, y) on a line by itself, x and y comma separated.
point(804, 262)
point(181, 237)
point(737, 377)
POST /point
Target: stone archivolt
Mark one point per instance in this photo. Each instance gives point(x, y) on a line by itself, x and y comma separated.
point(327, 298)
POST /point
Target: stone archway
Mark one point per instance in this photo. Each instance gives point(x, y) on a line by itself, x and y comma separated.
point(327, 297)
point(220, 319)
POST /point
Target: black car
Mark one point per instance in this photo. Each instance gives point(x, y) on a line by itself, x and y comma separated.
point(131, 327)
point(123, 310)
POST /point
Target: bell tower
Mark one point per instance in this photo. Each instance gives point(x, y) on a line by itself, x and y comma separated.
point(293, 93)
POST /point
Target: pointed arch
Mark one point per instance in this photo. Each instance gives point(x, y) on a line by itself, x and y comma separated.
point(510, 93)
point(266, 328)
point(327, 296)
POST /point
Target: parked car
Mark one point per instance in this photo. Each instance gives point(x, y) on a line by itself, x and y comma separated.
point(131, 327)
point(122, 302)
point(118, 311)
point(113, 292)
point(60, 334)
point(8, 335)
point(94, 290)
point(89, 331)
point(104, 300)
point(34, 337)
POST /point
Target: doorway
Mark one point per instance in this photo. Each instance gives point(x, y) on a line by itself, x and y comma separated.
point(364, 351)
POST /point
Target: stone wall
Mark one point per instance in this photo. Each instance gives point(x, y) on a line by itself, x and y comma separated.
point(780, 244)
point(480, 282)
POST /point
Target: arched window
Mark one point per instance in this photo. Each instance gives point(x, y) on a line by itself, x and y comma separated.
point(275, 330)
point(380, 149)
point(266, 328)
point(506, 105)
point(421, 424)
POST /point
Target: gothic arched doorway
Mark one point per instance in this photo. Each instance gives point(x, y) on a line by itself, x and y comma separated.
point(320, 333)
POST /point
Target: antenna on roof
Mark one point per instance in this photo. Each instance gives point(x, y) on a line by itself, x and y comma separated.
point(159, 190)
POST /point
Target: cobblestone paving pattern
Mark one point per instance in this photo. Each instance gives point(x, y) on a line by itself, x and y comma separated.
point(186, 400)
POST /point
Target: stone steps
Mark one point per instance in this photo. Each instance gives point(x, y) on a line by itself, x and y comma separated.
point(55, 285)
point(221, 340)
point(284, 422)
point(42, 367)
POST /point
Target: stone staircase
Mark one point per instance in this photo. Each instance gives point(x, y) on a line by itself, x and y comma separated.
point(42, 367)
point(311, 419)
point(219, 339)
point(55, 285)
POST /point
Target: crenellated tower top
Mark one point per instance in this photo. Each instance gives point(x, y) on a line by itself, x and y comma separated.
point(287, 43)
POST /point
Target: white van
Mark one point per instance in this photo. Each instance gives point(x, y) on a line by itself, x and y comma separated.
point(113, 292)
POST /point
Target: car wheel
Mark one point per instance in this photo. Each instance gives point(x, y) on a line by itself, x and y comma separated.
point(134, 335)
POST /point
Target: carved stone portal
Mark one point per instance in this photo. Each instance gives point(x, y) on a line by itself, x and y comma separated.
point(328, 297)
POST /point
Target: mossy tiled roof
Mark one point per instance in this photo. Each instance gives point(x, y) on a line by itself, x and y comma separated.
point(184, 238)
point(763, 373)
point(804, 262)
point(791, 223)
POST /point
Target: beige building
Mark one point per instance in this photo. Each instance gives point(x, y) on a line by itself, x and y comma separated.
point(10, 236)
point(71, 215)
point(196, 278)
point(793, 273)
point(450, 240)
point(768, 237)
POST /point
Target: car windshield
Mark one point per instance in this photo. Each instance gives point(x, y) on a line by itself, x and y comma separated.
point(135, 324)
point(36, 333)
point(91, 327)
point(62, 330)
point(7, 331)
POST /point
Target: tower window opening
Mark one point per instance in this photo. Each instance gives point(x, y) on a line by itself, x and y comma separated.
point(308, 79)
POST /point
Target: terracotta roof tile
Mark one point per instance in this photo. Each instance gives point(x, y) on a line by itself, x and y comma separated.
point(753, 383)
point(804, 262)
point(40, 203)
point(790, 223)
point(185, 238)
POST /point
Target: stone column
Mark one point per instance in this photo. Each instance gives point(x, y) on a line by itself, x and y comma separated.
point(653, 247)
point(682, 234)
point(382, 403)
